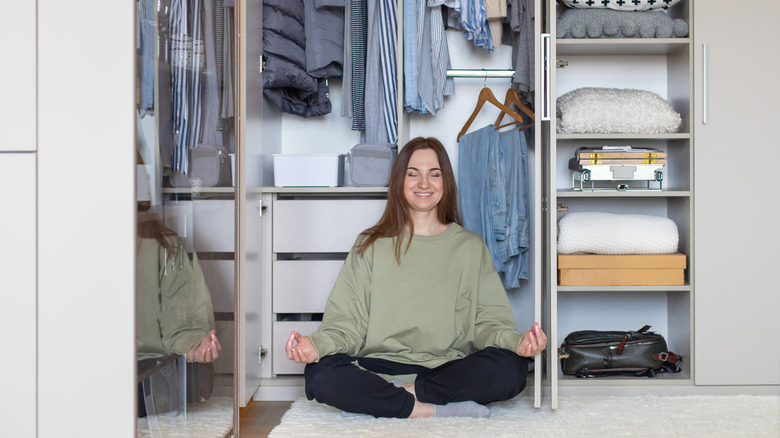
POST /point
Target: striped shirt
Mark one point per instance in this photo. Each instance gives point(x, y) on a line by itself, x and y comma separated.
point(388, 29)
point(359, 30)
point(473, 19)
point(433, 55)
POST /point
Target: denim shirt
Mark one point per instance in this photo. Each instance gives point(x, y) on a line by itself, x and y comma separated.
point(492, 172)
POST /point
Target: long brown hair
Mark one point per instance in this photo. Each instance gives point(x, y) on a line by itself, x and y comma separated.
point(150, 226)
point(396, 216)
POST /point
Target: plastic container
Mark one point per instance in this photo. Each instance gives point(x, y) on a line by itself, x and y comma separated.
point(308, 170)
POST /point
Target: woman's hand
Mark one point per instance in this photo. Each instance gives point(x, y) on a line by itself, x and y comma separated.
point(207, 351)
point(533, 342)
point(300, 349)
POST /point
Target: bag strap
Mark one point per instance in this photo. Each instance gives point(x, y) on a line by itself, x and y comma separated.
point(671, 364)
point(623, 341)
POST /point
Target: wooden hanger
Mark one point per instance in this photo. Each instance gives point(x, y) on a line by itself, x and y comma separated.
point(513, 98)
point(485, 95)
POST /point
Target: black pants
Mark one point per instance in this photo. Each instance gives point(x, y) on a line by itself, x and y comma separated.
point(492, 374)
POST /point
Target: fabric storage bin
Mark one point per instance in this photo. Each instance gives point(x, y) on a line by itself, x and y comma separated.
point(621, 270)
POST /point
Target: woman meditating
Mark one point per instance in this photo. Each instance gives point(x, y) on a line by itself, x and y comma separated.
point(418, 300)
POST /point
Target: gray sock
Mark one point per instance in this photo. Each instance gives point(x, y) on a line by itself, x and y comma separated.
point(461, 409)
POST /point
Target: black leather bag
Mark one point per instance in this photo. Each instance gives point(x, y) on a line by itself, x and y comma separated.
point(592, 353)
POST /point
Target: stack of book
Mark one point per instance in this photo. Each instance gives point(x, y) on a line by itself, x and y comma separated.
point(617, 163)
point(620, 155)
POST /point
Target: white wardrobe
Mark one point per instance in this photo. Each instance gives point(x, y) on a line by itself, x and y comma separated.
point(723, 206)
point(733, 290)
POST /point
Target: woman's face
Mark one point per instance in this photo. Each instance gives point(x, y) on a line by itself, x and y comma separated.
point(423, 184)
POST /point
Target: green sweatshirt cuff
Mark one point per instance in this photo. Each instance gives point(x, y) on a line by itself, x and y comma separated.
point(322, 344)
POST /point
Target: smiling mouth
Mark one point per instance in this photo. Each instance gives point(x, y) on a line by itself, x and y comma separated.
point(424, 195)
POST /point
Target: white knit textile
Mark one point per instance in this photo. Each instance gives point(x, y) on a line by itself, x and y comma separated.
point(615, 111)
point(610, 233)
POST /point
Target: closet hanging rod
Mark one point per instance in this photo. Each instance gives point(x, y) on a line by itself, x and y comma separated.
point(480, 73)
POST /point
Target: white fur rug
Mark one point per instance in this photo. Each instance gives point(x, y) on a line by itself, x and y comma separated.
point(209, 419)
point(577, 416)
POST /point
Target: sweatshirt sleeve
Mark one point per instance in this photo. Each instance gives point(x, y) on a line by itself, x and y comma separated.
point(187, 314)
point(495, 322)
point(345, 322)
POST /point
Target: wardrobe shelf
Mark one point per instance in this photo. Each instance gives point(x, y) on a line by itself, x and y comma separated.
point(187, 190)
point(326, 190)
point(665, 379)
point(621, 46)
point(675, 136)
point(636, 193)
point(580, 289)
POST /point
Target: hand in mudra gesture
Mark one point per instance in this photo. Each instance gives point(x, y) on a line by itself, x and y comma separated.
point(300, 349)
point(207, 350)
point(533, 342)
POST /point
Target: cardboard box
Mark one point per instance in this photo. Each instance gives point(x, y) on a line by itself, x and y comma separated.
point(621, 270)
point(308, 170)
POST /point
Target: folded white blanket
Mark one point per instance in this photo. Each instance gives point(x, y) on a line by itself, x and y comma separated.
point(610, 233)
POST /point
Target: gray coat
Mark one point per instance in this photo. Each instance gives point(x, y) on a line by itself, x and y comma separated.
point(324, 37)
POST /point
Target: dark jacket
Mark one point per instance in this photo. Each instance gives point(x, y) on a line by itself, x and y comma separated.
point(324, 37)
point(285, 79)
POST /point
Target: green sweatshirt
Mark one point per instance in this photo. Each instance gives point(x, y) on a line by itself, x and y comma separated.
point(444, 301)
point(174, 310)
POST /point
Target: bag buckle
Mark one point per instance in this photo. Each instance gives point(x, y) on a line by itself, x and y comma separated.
point(663, 356)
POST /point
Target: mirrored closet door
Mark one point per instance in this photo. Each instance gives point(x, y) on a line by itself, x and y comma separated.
point(185, 251)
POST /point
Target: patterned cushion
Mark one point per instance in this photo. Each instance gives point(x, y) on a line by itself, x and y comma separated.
point(622, 5)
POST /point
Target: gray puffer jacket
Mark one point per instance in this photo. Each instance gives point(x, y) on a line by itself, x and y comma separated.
point(285, 79)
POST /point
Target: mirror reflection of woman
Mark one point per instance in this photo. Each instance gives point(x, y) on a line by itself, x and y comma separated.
point(418, 323)
point(174, 311)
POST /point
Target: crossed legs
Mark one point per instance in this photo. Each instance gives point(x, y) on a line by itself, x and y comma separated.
point(350, 383)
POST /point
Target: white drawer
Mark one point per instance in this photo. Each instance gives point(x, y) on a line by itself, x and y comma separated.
point(203, 225)
point(282, 329)
point(322, 225)
point(219, 279)
point(303, 286)
point(213, 225)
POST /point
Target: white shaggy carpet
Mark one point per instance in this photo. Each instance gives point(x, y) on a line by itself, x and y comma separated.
point(210, 419)
point(577, 416)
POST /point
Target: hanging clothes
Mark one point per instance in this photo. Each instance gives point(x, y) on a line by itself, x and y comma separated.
point(346, 75)
point(210, 98)
point(412, 101)
point(495, 12)
point(227, 98)
point(381, 84)
point(146, 55)
point(164, 94)
point(521, 21)
point(286, 82)
point(359, 36)
point(493, 190)
point(425, 67)
point(324, 27)
point(473, 20)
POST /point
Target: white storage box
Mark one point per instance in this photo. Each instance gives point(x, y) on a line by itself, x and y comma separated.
point(308, 170)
